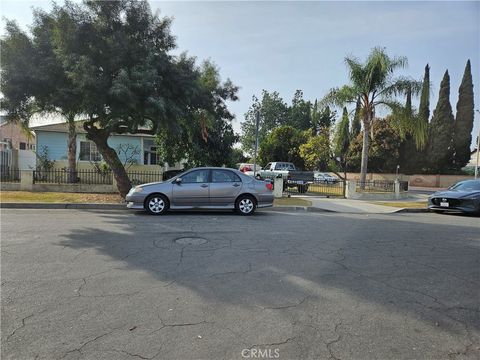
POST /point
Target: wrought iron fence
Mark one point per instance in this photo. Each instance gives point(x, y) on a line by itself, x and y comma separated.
point(375, 186)
point(316, 188)
point(142, 177)
point(403, 186)
point(8, 174)
point(64, 176)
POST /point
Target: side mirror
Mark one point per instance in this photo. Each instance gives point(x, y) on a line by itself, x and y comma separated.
point(178, 181)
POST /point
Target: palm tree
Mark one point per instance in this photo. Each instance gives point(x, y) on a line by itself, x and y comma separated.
point(373, 84)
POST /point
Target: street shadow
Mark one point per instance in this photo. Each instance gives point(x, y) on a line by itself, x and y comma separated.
point(410, 267)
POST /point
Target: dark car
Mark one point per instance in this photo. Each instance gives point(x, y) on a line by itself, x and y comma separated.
point(463, 196)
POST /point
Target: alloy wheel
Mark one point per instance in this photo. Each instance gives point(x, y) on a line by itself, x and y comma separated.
point(156, 205)
point(246, 205)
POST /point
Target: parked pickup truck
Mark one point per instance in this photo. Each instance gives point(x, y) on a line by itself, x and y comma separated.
point(291, 176)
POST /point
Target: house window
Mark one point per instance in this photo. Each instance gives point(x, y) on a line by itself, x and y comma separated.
point(23, 146)
point(150, 156)
point(89, 151)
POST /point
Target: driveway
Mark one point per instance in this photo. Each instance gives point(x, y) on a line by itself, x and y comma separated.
point(119, 285)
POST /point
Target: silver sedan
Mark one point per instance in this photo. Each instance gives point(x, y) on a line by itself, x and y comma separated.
point(203, 188)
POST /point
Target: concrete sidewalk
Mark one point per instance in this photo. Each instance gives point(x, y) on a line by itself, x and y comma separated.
point(354, 206)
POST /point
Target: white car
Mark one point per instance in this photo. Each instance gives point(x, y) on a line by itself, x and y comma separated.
point(325, 178)
point(247, 169)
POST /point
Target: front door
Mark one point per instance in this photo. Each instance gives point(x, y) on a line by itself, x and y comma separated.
point(224, 187)
point(193, 190)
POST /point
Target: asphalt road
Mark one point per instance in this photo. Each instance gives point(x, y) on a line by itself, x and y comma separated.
point(120, 285)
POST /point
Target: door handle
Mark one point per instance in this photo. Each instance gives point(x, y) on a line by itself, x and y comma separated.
point(204, 185)
point(236, 185)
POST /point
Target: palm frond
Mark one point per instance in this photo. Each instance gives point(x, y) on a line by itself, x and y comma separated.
point(401, 86)
point(339, 96)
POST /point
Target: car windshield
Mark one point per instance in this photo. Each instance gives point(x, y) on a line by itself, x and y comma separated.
point(468, 185)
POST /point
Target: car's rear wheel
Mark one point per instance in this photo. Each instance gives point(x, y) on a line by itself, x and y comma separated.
point(245, 205)
point(156, 204)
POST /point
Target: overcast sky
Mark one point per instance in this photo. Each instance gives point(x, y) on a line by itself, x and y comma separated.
point(285, 46)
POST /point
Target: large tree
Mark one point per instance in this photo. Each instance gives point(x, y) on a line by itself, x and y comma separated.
point(462, 138)
point(117, 55)
point(357, 120)
point(282, 144)
point(440, 147)
point(209, 140)
point(384, 147)
point(315, 152)
point(37, 83)
point(341, 141)
point(300, 114)
point(373, 83)
point(273, 112)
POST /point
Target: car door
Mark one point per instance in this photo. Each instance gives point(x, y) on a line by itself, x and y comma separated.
point(225, 186)
point(193, 190)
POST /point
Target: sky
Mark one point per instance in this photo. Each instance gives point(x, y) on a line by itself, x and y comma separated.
point(285, 46)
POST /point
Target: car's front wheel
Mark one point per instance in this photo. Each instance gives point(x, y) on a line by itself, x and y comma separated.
point(156, 204)
point(245, 205)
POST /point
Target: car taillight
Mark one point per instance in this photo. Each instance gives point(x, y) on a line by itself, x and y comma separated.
point(269, 186)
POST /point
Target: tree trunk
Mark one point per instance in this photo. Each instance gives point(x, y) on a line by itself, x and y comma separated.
point(366, 134)
point(99, 137)
point(72, 150)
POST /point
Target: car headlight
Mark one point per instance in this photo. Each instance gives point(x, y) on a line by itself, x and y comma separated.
point(138, 189)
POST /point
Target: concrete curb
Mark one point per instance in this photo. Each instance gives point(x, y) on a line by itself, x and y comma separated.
point(123, 207)
point(412, 210)
point(297, 208)
point(63, 206)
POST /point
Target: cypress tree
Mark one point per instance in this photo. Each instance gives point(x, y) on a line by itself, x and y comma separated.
point(464, 120)
point(409, 159)
point(424, 108)
point(342, 137)
point(440, 149)
point(356, 122)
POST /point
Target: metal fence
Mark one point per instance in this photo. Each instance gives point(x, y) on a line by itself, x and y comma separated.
point(63, 176)
point(142, 177)
point(316, 188)
point(8, 174)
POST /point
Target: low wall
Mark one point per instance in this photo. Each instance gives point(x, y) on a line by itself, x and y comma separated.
point(420, 180)
point(74, 188)
point(6, 186)
point(351, 192)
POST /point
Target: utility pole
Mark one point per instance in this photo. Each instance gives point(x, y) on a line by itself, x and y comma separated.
point(257, 122)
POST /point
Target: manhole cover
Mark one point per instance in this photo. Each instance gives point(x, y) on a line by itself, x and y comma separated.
point(191, 241)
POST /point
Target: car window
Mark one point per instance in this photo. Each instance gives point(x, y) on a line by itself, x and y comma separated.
point(279, 166)
point(196, 176)
point(291, 167)
point(221, 176)
point(466, 185)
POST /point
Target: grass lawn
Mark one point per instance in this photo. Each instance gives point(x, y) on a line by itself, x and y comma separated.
point(57, 197)
point(403, 204)
point(291, 202)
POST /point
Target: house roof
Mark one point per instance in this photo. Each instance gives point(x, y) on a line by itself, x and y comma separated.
point(63, 128)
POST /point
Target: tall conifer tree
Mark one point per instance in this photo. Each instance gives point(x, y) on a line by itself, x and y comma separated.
point(440, 148)
point(356, 122)
point(464, 120)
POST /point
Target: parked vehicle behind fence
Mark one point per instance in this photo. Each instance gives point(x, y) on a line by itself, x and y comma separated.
point(248, 169)
point(291, 176)
point(325, 178)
